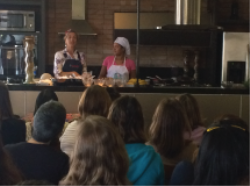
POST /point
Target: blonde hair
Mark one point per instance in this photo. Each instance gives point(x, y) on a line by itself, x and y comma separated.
point(99, 156)
point(95, 100)
point(167, 128)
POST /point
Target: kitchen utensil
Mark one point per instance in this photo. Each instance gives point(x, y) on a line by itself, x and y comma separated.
point(110, 82)
point(99, 82)
point(87, 82)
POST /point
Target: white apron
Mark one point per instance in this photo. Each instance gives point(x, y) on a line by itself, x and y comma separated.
point(118, 71)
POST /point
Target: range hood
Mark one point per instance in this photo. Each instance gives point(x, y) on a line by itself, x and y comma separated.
point(78, 22)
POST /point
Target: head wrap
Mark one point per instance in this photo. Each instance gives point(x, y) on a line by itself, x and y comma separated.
point(124, 43)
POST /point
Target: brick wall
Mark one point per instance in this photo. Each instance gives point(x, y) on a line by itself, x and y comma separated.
point(99, 13)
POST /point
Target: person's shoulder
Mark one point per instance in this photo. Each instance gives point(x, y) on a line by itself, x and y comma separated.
point(109, 58)
point(130, 60)
point(13, 122)
point(17, 146)
point(59, 54)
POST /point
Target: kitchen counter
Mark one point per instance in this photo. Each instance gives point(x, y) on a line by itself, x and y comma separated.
point(147, 89)
point(213, 101)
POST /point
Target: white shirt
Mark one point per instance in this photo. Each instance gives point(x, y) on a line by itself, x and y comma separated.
point(60, 59)
point(68, 139)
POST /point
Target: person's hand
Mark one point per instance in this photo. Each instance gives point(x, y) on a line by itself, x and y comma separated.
point(75, 74)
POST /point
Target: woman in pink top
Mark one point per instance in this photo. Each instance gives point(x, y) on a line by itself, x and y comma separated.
point(119, 66)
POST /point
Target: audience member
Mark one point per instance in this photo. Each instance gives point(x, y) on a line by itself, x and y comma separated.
point(223, 157)
point(35, 158)
point(146, 166)
point(167, 133)
point(99, 156)
point(43, 97)
point(34, 182)
point(13, 130)
point(192, 110)
point(9, 175)
point(95, 100)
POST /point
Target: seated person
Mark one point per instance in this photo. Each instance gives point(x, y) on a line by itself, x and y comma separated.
point(43, 97)
point(95, 100)
point(192, 110)
point(13, 130)
point(146, 167)
point(119, 66)
point(99, 156)
point(35, 158)
point(167, 131)
point(223, 157)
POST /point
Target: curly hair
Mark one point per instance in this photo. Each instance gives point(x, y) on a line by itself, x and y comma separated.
point(99, 156)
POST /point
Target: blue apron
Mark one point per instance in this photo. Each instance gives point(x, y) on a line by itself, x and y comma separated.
point(71, 65)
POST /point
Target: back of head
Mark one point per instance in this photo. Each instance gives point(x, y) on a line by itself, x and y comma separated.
point(167, 128)
point(223, 157)
point(48, 121)
point(233, 119)
point(34, 182)
point(99, 154)
point(45, 96)
point(5, 104)
point(95, 100)
point(192, 110)
point(126, 114)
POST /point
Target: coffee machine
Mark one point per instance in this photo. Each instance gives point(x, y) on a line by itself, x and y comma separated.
point(12, 64)
point(235, 59)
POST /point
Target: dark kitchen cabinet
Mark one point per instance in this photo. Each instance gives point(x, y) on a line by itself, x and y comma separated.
point(206, 36)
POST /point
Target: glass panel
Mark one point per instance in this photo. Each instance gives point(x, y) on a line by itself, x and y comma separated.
point(15, 20)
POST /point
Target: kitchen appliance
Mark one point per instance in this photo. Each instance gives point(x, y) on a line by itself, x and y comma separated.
point(12, 56)
point(235, 59)
point(11, 60)
point(16, 20)
point(187, 12)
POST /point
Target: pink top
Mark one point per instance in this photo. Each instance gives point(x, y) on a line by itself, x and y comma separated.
point(196, 135)
point(108, 61)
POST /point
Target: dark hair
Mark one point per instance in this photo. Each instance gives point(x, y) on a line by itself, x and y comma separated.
point(167, 128)
point(223, 157)
point(48, 121)
point(113, 93)
point(44, 96)
point(232, 118)
point(35, 182)
point(99, 156)
point(95, 100)
point(126, 114)
point(9, 174)
point(192, 110)
point(5, 104)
